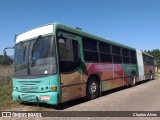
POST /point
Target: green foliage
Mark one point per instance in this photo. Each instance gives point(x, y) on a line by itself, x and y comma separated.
point(156, 54)
point(5, 61)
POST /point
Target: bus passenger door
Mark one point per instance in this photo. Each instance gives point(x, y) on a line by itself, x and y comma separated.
point(69, 66)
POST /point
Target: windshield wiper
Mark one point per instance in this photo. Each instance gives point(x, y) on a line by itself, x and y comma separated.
point(23, 49)
point(34, 44)
point(33, 49)
point(24, 53)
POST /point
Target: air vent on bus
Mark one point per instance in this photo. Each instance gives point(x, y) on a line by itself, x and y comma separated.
point(78, 28)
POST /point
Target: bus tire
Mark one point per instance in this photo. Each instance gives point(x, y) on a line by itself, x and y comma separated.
point(133, 79)
point(93, 88)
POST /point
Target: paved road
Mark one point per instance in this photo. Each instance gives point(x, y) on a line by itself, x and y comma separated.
point(143, 97)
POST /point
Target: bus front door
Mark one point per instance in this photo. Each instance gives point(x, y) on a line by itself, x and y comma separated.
point(69, 66)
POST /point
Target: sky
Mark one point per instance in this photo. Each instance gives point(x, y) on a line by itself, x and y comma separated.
point(134, 23)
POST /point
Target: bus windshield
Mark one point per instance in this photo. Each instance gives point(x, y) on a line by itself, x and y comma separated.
point(35, 57)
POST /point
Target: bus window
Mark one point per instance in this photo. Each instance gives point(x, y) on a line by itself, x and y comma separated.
point(132, 53)
point(126, 60)
point(117, 59)
point(90, 56)
point(90, 50)
point(125, 52)
point(116, 50)
point(133, 61)
point(105, 57)
point(69, 55)
point(104, 47)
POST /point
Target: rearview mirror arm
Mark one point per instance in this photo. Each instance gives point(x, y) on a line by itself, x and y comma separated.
point(4, 51)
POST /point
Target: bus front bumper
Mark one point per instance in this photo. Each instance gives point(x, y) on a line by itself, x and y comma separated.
point(48, 97)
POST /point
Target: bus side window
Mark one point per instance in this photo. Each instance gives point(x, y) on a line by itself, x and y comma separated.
point(69, 55)
point(116, 53)
point(90, 50)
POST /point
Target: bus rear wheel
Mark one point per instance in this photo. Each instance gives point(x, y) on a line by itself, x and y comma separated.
point(151, 76)
point(133, 79)
point(93, 88)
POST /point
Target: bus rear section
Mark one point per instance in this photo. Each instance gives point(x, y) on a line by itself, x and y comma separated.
point(146, 69)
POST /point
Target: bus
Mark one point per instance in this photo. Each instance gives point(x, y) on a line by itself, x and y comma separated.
point(56, 63)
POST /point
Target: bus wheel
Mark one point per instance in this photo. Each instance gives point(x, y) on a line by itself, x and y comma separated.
point(93, 88)
point(133, 79)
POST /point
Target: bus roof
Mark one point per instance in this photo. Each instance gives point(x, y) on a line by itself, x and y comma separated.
point(148, 54)
point(82, 33)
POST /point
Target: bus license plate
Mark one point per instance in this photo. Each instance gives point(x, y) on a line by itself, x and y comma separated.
point(45, 97)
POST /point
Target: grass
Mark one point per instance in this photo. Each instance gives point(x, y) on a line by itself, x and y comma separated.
point(6, 94)
point(6, 101)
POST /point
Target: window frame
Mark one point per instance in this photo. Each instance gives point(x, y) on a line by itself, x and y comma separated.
point(76, 62)
point(96, 52)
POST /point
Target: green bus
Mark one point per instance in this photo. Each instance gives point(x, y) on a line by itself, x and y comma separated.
point(56, 63)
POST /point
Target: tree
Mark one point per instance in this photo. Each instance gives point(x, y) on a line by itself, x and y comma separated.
point(156, 54)
point(7, 61)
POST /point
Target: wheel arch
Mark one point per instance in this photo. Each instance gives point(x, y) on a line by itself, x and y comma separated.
point(133, 72)
point(99, 84)
point(94, 75)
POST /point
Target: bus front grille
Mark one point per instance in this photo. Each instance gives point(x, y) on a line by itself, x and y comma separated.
point(29, 88)
point(29, 82)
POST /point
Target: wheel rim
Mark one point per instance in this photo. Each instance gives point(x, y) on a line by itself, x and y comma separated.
point(93, 88)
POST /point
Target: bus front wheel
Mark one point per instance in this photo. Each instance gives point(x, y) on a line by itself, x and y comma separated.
point(93, 88)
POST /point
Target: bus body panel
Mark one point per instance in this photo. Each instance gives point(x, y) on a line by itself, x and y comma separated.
point(71, 86)
point(149, 68)
point(129, 68)
point(111, 75)
point(147, 71)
